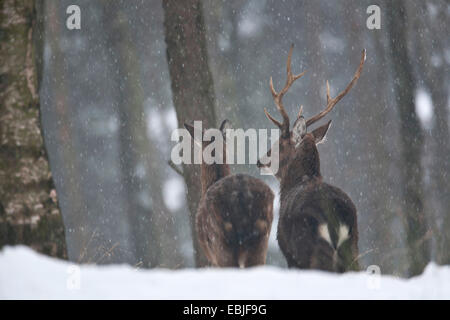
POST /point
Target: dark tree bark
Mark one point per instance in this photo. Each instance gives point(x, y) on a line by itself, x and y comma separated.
point(411, 139)
point(192, 85)
point(29, 212)
point(219, 16)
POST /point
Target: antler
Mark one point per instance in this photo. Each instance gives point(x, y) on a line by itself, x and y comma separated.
point(278, 97)
point(331, 102)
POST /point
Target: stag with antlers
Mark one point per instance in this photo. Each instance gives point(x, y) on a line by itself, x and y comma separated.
point(317, 228)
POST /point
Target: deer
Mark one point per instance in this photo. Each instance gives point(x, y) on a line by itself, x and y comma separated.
point(317, 226)
point(235, 212)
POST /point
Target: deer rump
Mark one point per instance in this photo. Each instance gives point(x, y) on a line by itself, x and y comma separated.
point(234, 220)
point(319, 230)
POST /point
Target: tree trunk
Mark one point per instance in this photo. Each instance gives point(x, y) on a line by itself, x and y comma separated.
point(429, 42)
point(192, 85)
point(131, 133)
point(29, 212)
point(411, 139)
point(152, 227)
point(60, 135)
point(378, 243)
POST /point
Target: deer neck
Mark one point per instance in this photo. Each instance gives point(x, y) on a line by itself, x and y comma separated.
point(211, 173)
point(301, 170)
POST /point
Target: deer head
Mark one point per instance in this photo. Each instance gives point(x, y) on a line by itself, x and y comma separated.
point(214, 166)
point(298, 146)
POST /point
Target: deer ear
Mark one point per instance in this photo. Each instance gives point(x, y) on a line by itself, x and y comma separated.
point(191, 130)
point(260, 165)
point(320, 133)
point(226, 124)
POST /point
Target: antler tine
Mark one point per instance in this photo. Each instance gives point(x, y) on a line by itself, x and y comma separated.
point(331, 102)
point(328, 93)
point(299, 114)
point(272, 89)
point(277, 123)
point(290, 77)
point(278, 97)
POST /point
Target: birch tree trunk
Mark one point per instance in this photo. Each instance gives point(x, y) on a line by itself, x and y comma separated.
point(29, 212)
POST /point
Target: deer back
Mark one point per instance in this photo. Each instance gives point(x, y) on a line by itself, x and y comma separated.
point(318, 222)
point(318, 227)
point(234, 220)
point(235, 213)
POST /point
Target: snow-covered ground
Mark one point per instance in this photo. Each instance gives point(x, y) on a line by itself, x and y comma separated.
point(25, 274)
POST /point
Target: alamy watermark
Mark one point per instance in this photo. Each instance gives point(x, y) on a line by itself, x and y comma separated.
point(73, 281)
point(209, 146)
point(73, 21)
point(374, 277)
point(374, 19)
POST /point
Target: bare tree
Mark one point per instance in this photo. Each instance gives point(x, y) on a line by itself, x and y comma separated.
point(192, 85)
point(411, 141)
point(152, 227)
point(373, 112)
point(29, 212)
point(430, 44)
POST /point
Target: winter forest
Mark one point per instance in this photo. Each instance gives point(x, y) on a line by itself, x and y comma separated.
point(91, 92)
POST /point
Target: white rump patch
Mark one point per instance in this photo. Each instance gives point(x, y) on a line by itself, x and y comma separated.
point(343, 234)
point(325, 233)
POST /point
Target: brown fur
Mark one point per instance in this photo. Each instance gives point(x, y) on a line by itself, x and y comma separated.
point(234, 216)
point(318, 222)
point(234, 220)
point(306, 203)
